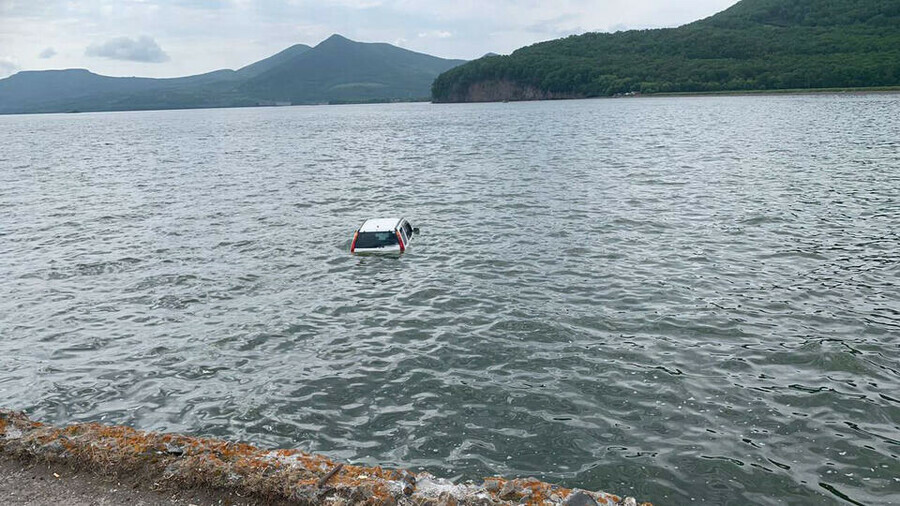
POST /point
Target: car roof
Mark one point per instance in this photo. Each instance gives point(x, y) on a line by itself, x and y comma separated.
point(379, 224)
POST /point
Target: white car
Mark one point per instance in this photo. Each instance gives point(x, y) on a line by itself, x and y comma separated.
point(383, 235)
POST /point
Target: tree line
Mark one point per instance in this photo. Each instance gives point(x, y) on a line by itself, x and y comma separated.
point(755, 45)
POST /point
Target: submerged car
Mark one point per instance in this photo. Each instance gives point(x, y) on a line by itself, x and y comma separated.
point(383, 235)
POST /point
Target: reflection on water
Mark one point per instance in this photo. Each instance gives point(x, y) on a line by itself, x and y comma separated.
point(669, 298)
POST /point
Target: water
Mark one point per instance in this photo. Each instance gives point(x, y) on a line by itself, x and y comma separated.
point(672, 298)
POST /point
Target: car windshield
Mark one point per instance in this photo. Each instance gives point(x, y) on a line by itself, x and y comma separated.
point(375, 239)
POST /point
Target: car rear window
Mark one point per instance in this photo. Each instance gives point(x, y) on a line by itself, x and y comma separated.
point(376, 239)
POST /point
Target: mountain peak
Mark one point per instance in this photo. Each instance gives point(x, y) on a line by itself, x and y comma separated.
point(336, 39)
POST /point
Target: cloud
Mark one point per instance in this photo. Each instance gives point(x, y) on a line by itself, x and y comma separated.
point(204, 35)
point(8, 67)
point(357, 4)
point(557, 26)
point(47, 53)
point(203, 4)
point(144, 49)
point(438, 34)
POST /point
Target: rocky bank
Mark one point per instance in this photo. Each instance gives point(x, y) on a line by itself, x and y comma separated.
point(237, 473)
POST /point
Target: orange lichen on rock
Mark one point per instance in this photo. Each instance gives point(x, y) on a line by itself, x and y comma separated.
point(283, 475)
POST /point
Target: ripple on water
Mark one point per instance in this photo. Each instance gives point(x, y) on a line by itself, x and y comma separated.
point(658, 297)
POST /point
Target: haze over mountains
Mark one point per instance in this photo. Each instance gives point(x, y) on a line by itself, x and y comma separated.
point(753, 45)
point(334, 71)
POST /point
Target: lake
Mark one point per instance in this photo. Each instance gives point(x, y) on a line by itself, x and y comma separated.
point(680, 299)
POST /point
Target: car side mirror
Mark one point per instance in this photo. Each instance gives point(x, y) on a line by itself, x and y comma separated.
point(415, 230)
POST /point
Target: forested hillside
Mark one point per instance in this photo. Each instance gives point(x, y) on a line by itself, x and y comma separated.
point(754, 45)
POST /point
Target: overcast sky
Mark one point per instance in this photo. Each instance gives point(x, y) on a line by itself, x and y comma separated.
point(165, 38)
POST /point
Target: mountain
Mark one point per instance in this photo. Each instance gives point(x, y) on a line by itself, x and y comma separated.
point(339, 69)
point(753, 45)
point(336, 70)
point(82, 90)
point(274, 61)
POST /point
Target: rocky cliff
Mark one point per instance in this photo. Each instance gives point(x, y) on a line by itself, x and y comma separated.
point(503, 90)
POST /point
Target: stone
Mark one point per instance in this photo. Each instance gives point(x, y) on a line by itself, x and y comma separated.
point(362, 493)
point(492, 485)
point(511, 490)
point(174, 450)
point(447, 499)
point(409, 482)
point(579, 498)
point(387, 501)
point(408, 476)
point(527, 497)
point(630, 501)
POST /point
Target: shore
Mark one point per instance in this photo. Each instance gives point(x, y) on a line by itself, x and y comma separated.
point(93, 464)
point(32, 483)
point(786, 91)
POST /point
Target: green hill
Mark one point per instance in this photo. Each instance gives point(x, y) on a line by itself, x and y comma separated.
point(754, 45)
point(336, 70)
point(339, 70)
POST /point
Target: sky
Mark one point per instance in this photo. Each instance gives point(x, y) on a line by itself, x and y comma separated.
point(169, 38)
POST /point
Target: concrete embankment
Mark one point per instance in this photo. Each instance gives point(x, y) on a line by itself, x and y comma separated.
point(124, 465)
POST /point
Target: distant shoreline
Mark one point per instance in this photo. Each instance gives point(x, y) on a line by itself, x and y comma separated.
point(788, 91)
point(876, 90)
point(794, 91)
point(208, 108)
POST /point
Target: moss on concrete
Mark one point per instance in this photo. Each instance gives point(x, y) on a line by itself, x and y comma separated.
point(279, 476)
